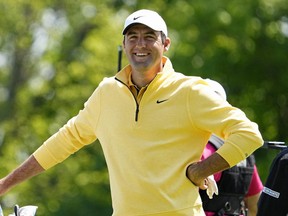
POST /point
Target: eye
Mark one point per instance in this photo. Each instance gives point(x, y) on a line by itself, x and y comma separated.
point(150, 37)
point(132, 37)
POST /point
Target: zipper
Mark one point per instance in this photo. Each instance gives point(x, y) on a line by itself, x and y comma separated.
point(137, 111)
point(135, 99)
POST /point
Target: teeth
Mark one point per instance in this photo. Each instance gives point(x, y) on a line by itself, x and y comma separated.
point(141, 54)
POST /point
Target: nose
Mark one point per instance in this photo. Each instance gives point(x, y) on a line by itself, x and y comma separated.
point(141, 42)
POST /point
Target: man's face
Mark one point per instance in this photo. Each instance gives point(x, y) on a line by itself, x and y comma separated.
point(144, 48)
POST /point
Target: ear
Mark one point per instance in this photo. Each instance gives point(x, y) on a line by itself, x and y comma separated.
point(167, 44)
point(123, 42)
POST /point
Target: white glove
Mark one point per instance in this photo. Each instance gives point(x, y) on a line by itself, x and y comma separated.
point(212, 187)
point(1, 212)
point(28, 210)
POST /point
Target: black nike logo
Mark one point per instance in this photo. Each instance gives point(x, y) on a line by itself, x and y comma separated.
point(161, 101)
point(135, 18)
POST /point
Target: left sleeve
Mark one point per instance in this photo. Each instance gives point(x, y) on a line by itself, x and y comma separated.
point(210, 113)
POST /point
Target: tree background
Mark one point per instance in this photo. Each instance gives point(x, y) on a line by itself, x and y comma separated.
point(53, 54)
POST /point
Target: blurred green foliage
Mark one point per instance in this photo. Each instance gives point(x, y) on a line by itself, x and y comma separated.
point(53, 54)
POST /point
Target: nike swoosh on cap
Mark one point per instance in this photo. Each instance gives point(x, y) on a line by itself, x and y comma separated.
point(135, 18)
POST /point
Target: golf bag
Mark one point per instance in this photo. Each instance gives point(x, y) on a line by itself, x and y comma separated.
point(273, 200)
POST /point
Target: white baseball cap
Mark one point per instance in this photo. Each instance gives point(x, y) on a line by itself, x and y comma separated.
point(146, 17)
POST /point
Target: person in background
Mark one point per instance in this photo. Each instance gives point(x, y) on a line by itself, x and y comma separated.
point(239, 187)
point(153, 124)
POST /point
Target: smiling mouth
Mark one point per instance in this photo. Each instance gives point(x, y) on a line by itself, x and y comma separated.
point(141, 54)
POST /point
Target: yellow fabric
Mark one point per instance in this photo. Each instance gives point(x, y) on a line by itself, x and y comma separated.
point(149, 144)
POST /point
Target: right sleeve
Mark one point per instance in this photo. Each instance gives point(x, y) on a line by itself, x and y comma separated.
point(78, 132)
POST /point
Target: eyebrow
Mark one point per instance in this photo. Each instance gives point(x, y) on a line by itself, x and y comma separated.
point(149, 32)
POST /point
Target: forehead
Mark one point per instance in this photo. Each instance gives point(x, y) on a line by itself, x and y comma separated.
point(140, 27)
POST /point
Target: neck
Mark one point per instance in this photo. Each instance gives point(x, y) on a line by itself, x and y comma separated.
point(141, 81)
point(142, 78)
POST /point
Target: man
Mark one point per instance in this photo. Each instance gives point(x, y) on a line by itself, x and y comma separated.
point(239, 187)
point(153, 124)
